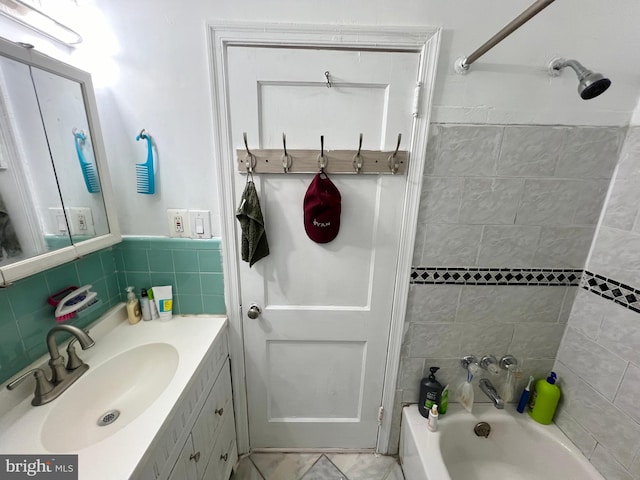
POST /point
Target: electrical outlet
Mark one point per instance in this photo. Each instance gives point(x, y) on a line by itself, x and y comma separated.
point(200, 223)
point(81, 221)
point(178, 223)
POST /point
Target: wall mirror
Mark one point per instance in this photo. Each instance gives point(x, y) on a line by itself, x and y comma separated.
point(55, 192)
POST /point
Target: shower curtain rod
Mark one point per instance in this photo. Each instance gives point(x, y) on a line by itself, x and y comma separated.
point(462, 63)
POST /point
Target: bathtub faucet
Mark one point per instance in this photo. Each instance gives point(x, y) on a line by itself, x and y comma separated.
point(490, 391)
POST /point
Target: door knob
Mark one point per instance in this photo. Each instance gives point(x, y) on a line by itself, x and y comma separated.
point(254, 311)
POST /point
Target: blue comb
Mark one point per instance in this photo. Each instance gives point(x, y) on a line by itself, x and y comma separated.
point(145, 178)
point(88, 169)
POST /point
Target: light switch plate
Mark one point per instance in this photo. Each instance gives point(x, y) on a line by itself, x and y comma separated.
point(58, 222)
point(200, 223)
point(178, 223)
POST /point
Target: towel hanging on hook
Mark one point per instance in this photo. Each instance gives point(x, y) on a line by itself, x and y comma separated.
point(253, 242)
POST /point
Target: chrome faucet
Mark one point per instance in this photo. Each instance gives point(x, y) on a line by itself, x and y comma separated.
point(62, 377)
point(490, 391)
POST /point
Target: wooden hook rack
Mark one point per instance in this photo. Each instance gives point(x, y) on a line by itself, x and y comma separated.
point(337, 161)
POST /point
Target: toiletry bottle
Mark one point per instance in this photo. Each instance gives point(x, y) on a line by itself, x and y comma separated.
point(430, 390)
point(133, 307)
point(444, 400)
point(544, 400)
point(145, 305)
point(154, 308)
point(432, 421)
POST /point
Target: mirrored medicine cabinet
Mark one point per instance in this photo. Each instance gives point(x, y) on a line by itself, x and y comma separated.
point(55, 194)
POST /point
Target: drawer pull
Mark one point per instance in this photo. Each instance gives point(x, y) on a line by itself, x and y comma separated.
point(224, 457)
point(195, 456)
point(219, 411)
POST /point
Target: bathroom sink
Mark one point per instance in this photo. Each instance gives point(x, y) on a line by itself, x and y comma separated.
point(109, 397)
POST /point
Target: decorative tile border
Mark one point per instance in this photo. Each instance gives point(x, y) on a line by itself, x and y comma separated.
point(620, 293)
point(495, 276)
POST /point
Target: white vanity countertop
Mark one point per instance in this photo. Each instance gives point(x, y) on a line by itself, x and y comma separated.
point(117, 456)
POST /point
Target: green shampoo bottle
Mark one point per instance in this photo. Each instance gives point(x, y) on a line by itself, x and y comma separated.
point(544, 400)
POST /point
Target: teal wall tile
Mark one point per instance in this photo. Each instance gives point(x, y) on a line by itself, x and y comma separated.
point(210, 261)
point(185, 261)
point(28, 295)
point(90, 269)
point(160, 260)
point(214, 304)
point(212, 283)
point(189, 304)
point(192, 267)
point(164, 278)
point(13, 356)
point(135, 259)
point(188, 283)
point(62, 276)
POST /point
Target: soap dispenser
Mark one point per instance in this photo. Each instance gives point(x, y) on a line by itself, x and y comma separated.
point(430, 390)
point(544, 399)
point(133, 307)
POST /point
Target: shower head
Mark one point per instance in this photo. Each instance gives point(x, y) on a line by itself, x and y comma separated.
point(590, 84)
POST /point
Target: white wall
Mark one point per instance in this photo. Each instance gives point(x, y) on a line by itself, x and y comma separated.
point(149, 60)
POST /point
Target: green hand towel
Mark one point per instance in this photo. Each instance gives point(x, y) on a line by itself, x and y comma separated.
point(254, 244)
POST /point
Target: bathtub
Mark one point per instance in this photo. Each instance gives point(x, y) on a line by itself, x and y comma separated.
point(517, 448)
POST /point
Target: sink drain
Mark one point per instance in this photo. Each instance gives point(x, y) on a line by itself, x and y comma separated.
point(108, 418)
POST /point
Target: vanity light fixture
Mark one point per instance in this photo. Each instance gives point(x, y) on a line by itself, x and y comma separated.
point(30, 17)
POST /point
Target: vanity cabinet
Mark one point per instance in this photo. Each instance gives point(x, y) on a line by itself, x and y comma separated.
point(198, 439)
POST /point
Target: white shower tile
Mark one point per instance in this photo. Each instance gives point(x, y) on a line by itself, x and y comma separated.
point(530, 151)
point(627, 397)
point(451, 245)
point(599, 367)
point(536, 340)
point(620, 331)
point(510, 246)
point(468, 150)
point(590, 152)
point(561, 246)
point(549, 202)
point(490, 200)
point(607, 465)
point(432, 303)
point(440, 199)
point(509, 304)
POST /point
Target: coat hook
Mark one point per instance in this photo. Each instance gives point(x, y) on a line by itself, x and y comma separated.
point(286, 158)
point(393, 164)
point(322, 160)
point(327, 75)
point(250, 159)
point(357, 159)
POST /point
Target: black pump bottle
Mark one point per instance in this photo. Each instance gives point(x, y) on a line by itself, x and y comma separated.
point(430, 390)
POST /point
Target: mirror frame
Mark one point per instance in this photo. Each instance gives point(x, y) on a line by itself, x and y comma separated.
point(39, 263)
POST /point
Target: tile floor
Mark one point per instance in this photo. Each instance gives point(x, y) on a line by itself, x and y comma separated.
point(318, 466)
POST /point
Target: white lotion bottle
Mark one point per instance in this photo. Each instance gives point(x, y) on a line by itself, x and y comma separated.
point(432, 420)
point(145, 305)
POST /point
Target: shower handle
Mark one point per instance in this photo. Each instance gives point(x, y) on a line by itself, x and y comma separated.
point(254, 311)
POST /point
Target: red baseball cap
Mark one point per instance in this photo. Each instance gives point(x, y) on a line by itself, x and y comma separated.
point(322, 206)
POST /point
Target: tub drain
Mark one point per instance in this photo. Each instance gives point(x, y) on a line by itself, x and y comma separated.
point(108, 418)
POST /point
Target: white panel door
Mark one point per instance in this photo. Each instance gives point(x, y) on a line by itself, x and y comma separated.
point(315, 357)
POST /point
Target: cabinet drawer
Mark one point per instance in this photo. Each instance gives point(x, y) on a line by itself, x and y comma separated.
point(215, 412)
point(225, 453)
